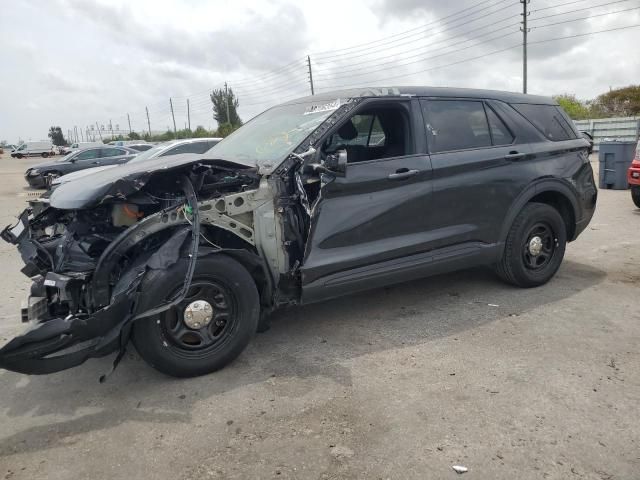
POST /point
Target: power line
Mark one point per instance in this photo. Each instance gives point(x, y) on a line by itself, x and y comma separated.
point(579, 10)
point(518, 45)
point(557, 5)
point(421, 59)
point(420, 54)
point(584, 18)
point(376, 50)
point(384, 40)
point(461, 34)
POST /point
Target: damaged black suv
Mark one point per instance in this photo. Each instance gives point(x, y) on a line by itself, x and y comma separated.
point(315, 198)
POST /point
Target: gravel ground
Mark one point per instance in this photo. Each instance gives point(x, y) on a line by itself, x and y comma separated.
point(402, 382)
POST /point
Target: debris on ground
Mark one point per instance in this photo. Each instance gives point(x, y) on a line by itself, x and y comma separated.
point(460, 469)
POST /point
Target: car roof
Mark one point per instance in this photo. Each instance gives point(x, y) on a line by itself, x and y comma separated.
point(192, 140)
point(368, 92)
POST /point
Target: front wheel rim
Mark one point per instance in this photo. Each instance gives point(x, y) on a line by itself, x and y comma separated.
point(193, 340)
point(539, 247)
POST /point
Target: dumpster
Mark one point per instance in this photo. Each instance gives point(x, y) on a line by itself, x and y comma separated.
point(615, 159)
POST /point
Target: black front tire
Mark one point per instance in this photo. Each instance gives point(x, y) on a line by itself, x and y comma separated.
point(156, 339)
point(518, 266)
point(635, 195)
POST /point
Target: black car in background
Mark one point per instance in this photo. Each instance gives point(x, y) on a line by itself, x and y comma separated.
point(41, 175)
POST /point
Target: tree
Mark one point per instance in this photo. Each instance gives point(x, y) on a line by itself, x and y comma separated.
point(201, 132)
point(576, 109)
point(224, 100)
point(621, 102)
point(56, 136)
point(226, 129)
point(134, 136)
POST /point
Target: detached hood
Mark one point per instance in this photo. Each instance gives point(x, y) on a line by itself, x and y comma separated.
point(124, 180)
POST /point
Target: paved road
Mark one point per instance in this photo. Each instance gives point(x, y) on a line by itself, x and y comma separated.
point(402, 382)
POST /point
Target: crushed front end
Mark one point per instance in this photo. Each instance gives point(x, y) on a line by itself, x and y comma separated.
point(87, 252)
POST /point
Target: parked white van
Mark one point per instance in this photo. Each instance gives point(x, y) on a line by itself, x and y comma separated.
point(30, 149)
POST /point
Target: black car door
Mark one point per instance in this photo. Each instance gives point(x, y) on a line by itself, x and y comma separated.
point(476, 154)
point(369, 222)
point(114, 156)
point(88, 158)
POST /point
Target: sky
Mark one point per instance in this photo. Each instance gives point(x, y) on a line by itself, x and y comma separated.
point(84, 63)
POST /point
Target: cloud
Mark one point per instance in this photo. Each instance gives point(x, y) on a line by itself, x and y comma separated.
point(86, 61)
point(261, 41)
point(57, 81)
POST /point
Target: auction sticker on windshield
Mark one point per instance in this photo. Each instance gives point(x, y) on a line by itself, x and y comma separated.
point(324, 107)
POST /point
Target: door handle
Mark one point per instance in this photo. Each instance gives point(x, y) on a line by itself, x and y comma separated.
point(403, 173)
point(514, 156)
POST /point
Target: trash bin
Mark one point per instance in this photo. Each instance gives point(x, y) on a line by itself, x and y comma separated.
point(615, 158)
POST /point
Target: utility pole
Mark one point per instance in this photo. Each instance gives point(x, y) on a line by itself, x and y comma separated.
point(175, 130)
point(148, 121)
point(310, 74)
point(188, 114)
point(99, 132)
point(129, 120)
point(111, 128)
point(524, 31)
point(82, 135)
point(226, 98)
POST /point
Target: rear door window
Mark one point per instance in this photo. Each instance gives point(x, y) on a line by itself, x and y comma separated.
point(456, 125)
point(547, 119)
point(193, 147)
point(500, 133)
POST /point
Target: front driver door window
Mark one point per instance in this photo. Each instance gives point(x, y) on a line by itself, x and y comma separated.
point(378, 211)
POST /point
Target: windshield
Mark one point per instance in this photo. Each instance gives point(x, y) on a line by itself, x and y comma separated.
point(272, 135)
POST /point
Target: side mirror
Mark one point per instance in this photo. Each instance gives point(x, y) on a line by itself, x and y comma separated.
point(337, 163)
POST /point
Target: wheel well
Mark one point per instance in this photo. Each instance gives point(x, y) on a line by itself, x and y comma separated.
point(564, 207)
point(244, 253)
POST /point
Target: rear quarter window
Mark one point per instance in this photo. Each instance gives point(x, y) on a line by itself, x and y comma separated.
point(548, 120)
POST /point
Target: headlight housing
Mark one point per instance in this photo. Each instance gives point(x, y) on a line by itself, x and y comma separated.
point(34, 171)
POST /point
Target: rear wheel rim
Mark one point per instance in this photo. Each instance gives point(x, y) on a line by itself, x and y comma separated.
point(189, 341)
point(539, 247)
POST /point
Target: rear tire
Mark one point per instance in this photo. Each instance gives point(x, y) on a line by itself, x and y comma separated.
point(534, 248)
point(45, 155)
point(635, 195)
point(178, 348)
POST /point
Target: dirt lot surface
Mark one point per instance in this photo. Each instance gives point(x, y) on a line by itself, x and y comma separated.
point(398, 383)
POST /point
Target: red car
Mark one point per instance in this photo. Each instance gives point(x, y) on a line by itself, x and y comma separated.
point(634, 177)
